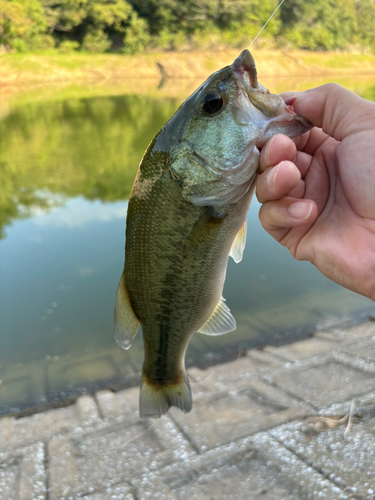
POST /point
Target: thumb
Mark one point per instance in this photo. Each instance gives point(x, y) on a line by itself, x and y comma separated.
point(335, 109)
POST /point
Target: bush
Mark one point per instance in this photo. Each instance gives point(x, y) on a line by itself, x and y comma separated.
point(67, 46)
point(137, 36)
point(23, 25)
point(96, 40)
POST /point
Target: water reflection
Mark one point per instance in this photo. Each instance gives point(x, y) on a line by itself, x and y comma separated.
point(76, 147)
point(67, 167)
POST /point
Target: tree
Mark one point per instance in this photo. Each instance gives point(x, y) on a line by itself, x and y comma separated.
point(365, 11)
point(319, 24)
point(90, 22)
point(23, 25)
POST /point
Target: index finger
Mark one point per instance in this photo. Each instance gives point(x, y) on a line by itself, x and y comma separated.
point(335, 109)
point(277, 149)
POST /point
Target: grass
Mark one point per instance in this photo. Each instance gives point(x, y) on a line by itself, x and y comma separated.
point(54, 67)
point(50, 76)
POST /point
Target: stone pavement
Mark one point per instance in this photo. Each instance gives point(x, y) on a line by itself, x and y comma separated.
point(287, 423)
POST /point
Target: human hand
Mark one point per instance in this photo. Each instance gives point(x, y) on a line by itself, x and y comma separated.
point(318, 192)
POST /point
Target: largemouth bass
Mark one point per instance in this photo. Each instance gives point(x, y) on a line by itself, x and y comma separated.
point(186, 215)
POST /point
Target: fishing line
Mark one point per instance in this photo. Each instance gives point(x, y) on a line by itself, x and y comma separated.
point(269, 19)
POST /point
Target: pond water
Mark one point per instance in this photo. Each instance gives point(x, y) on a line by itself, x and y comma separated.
point(68, 158)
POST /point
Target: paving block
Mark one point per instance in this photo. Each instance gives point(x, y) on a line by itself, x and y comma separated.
point(235, 415)
point(361, 354)
point(231, 376)
point(9, 473)
point(22, 474)
point(109, 404)
point(322, 380)
point(363, 407)
point(226, 377)
point(116, 492)
point(363, 330)
point(334, 335)
point(200, 391)
point(302, 479)
point(252, 468)
point(87, 410)
point(302, 349)
point(346, 460)
point(171, 437)
point(22, 431)
point(128, 402)
point(63, 477)
point(180, 472)
point(150, 486)
point(247, 480)
point(117, 455)
point(263, 359)
point(6, 431)
point(32, 481)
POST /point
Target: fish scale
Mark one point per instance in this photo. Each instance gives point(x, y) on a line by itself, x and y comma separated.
point(163, 287)
point(186, 215)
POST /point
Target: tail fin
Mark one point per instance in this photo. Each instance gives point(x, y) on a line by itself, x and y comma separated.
point(155, 400)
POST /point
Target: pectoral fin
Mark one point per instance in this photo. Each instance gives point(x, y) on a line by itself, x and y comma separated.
point(238, 245)
point(221, 320)
point(126, 322)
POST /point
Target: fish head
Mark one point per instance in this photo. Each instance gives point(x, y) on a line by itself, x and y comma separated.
point(259, 109)
point(215, 136)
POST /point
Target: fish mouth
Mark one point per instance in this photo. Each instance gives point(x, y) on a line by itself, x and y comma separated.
point(272, 106)
point(244, 66)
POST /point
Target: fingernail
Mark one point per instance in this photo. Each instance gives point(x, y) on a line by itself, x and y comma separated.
point(291, 101)
point(271, 176)
point(301, 210)
point(267, 150)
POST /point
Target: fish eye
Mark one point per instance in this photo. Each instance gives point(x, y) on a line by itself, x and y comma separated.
point(212, 103)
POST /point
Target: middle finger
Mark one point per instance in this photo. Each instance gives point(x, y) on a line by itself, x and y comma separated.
point(276, 182)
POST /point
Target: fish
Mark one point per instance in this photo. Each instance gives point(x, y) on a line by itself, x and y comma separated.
point(186, 215)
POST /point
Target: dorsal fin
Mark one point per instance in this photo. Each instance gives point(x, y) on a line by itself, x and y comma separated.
point(126, 322)
point(238, 244)
point(221, 320)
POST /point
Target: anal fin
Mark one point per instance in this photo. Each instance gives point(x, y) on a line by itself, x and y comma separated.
point(126, 322)
point(238, 245)
point(220, 322)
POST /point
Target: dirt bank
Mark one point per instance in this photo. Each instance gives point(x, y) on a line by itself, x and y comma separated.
point(20, 69)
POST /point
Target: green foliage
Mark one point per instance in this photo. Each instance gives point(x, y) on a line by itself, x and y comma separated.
point(137, 36)
point(92, 23)
point(95, 40)
point(365, 13)
point(320, 24)
point(23, 25)
point(67, 46)
point(132, 26)
point(65, 15)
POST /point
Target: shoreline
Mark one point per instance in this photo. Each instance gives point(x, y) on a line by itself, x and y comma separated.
point(23, 69)
point(229, 356)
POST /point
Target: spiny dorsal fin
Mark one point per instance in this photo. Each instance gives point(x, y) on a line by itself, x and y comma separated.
point(126, 322)
point(221, 321)
point(238, 244)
